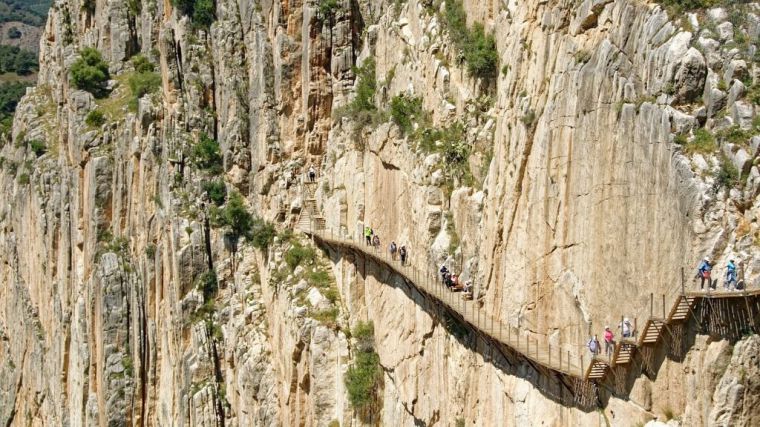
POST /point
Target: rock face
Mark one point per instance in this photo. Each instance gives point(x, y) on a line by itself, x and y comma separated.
point(595, 168)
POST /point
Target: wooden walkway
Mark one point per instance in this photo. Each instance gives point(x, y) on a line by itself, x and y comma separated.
point(577, 366)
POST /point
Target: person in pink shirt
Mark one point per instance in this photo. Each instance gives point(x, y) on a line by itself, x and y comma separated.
point(609, 344)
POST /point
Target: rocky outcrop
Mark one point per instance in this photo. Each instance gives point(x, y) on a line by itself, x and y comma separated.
point(595, 167)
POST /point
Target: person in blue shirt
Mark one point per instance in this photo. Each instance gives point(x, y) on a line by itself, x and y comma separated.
point(730, 276)
point(704, 272)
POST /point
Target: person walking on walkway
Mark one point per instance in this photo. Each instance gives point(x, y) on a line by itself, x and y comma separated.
point(393, 249)
point(376, 242)
point(626, 328)
point(704, 272)
point(593, 345)
point(730, 276)
point(609, 344)
point(368, 235)
point(312, 174)
point(402, 253)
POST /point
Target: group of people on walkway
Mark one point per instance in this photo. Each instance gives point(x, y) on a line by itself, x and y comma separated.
point(453, 283)
point(372, 239)
point(704, 273)
point(595, 346)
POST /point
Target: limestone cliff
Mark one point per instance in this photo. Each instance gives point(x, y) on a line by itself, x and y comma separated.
point(613, 145)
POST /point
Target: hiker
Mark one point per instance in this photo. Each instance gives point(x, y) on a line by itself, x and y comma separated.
point(730, 283)
point(376, 242)
point(455, 285)
point(704, 272)
point(393, 249)
point(443, 272)
point(368, 235)
point(609, 344)
point(402, 254)
point(467, 290)
point(593, 345)
point(626, 328)
point(447, 280)
point(312, 174)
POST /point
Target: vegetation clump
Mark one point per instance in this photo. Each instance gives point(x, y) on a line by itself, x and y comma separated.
point(365, 374)
point(234, 216)
point(362, 109)
point(201, 12)
point(144, 81)
point(95, 118)
point(216, 191)
point(327, 8)
point(207, 155)
point(38, 147)
point(405, 110)
point(299, 254)
point(477, 48)
point(90, 72)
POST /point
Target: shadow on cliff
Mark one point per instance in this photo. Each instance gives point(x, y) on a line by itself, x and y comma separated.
point(555, 386)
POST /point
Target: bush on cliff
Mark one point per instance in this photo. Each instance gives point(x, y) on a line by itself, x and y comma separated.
point(477, 48)
point(207, 155)
point(365, 374)
point(90, 72)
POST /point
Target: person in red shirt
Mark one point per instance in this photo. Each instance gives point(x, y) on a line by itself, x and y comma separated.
point(609, 344)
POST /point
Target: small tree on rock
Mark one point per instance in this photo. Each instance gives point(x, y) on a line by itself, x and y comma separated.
point(90, 72)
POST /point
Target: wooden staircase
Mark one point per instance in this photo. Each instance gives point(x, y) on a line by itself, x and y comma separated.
point(652, 331)
point(682, 308)
point(597, 369)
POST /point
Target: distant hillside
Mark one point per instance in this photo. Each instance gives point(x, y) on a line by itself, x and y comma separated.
point(27, 11)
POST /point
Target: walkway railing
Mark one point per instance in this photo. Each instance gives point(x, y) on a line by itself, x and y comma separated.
point(674, 307)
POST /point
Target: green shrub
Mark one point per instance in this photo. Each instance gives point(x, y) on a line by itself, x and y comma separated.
point(728, 175)
point(529, 119)
point(207, 155)
point(734, 135)
point(90, 72)
point(481, 56)
point(23, 179)
point(236, 217)
point(327, 7)
point(204, 13)
point(319, 278)
point(404, 111)
point(38, 147)
point(216, 191)
point(362, 110)
point(207, 284)
point(201, 12)
point(703, 142)
point(364, 334)
point(262, 234)
point(143, 82)
point(676, 7)
point(362, 379)
point(150, 251)
point(477, 47)
point(142, 64)
point(95, 118)
point(298, 254)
